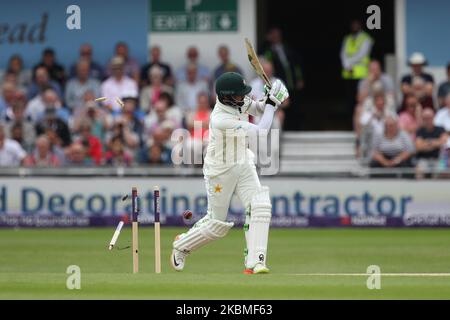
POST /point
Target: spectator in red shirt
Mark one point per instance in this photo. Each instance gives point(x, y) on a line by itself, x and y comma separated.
point(91, 143)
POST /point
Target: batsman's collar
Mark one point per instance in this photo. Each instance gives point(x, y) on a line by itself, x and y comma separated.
point(229, 109)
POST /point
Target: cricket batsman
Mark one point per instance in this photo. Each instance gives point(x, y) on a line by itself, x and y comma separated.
point(229, 168)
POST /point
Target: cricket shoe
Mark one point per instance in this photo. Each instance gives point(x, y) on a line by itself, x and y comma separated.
point(258, 269)
point(177, 258)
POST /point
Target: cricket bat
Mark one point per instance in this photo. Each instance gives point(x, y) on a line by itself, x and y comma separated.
point(254, 61)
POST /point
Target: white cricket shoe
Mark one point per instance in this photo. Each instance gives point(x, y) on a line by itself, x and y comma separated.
point(177, 259)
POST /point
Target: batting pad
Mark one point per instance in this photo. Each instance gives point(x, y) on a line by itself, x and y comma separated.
point(203, 232)
point(258, 233)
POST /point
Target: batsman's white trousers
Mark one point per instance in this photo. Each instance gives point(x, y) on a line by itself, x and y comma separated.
point(241, 179)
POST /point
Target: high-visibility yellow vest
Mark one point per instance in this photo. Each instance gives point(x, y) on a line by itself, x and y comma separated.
point(352, 46)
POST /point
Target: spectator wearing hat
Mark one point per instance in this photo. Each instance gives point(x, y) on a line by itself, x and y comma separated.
point(444, 89)
point(130, 65)
point(55, 70)
point(430, 139)
point(118, 85)
point(11, 153)
point(96, 71)
point(151, 93)
point(155, 60)
point(76, 87)
point(417, 62)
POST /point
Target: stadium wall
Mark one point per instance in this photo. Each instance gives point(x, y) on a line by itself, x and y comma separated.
point(297, 202)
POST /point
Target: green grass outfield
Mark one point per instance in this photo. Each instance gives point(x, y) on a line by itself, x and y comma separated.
point(33, 265)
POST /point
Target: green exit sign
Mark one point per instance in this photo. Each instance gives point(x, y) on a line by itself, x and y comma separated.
point(193, 15)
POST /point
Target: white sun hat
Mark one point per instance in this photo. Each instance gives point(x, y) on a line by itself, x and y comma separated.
point(417, 58)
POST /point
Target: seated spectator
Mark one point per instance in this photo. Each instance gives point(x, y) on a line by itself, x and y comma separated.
point(91, 143)
point(371, 123)
point(419, 89)
point(417, 62)
point(41, 81)
point(15, 66)
point(118, 85)
point(42, 155)
point(174, 112)
point(11, 77)
point(192, 56)
point(56, 144)
point(55, 70)
point(96, 71)
point(15, 120)
point(77, 156)
point(392, 148)
point(155, 60)
point(198, 124)
point(7, 97)
point(410, 119)
point(442, 118)
point(130, 64)
point(151, 93)
point(76, 87)
point(225, 63)
point(117, 155)
point(133, 117)
point(100, 120)
point(199, 117)
point(430, 140)
point(154, 120)
point(187, 91)
point(123, 130)
point(444, 89)
point(49, 102)
point(50, 119)
point(375, 74)
point(11, 153)
point(367, 105)
point(156, 154)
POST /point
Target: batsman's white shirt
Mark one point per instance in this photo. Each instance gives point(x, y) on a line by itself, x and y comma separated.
point(229, 164)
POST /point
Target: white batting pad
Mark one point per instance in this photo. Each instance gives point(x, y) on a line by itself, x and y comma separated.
point(203, 232)
point(258, 233)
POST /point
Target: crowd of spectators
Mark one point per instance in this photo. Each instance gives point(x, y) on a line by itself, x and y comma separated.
point(404, 129)
point(49, 115)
